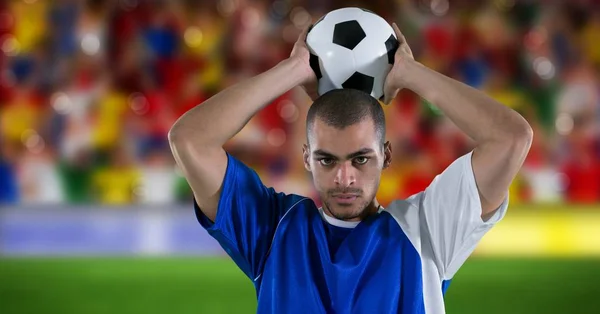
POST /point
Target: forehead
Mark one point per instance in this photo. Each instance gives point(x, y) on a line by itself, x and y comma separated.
point(343, 141)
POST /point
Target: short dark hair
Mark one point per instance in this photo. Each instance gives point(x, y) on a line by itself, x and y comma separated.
point(341, 108)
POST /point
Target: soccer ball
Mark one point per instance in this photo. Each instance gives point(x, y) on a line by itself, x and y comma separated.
point(352, 48)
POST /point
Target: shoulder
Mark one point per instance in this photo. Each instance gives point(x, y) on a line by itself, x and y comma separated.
point(293, 201)
point(404, 207)
point(406, 213)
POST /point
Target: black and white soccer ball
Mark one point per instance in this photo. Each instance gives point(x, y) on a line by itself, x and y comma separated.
point(352, 48)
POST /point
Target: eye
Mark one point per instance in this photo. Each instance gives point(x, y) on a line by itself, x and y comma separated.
point(361, 160)
point(326, 161)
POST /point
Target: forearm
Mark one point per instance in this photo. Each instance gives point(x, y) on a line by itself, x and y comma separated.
point(218, 119)
point(475, 113)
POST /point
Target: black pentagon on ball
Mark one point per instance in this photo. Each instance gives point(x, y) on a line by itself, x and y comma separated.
point(360, 81)
point(348, 34)
point(314, 64)
point(391, 45)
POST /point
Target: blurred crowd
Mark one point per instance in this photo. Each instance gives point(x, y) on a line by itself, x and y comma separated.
point(89, 90)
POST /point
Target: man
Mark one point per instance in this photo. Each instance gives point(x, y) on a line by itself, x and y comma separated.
point(351, 255)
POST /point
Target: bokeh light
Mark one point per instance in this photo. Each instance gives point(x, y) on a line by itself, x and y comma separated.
point(439, 7)
point(281, 8)
point(226, 7)
point(544, 68)
point(536, 38)
point(33, 141)
point(564, 124)
point(288, 111)
point(90, 44)
point(193, 36)
point(300, 17)
point(61, 103)
point(138, 103)
point(276, 137)
point(10, 46)
point(250, 17)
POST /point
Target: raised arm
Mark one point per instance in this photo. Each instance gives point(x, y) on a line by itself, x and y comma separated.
point(197, 137)
point(502, 136)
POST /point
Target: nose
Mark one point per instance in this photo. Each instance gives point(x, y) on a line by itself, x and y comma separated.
point(345, 175)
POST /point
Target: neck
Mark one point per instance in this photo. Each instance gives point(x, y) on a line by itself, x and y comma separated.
point(371, 209)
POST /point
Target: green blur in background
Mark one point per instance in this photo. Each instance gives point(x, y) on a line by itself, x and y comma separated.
point(216, 285)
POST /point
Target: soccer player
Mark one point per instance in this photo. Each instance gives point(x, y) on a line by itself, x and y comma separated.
point(351, 255)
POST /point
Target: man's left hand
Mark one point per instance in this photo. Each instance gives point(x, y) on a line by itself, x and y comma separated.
point(394, 81)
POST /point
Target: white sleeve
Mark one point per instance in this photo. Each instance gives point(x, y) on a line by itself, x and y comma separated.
point(450, 216)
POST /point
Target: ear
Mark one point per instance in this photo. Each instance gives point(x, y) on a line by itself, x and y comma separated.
point(387, 154)
point(305, 156)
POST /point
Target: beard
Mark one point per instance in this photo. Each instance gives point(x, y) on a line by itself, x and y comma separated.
point(348, 212)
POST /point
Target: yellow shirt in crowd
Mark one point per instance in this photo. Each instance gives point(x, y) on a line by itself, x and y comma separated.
point(109, 119)
point(116, 186)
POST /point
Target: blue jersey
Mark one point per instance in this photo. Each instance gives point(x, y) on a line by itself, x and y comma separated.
point(400, 260)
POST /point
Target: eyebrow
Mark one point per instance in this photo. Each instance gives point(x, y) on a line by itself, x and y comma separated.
point(363, 151)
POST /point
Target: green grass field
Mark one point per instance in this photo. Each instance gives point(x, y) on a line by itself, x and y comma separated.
point(215, 285)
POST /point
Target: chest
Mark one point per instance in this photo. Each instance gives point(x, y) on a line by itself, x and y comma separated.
point(370, 266)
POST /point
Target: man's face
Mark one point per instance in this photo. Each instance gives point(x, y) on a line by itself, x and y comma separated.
point(346, 166)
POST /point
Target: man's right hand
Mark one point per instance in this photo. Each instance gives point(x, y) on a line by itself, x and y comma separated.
point(301, 55)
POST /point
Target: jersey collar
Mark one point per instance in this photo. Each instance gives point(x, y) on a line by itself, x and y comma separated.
point(342, 223)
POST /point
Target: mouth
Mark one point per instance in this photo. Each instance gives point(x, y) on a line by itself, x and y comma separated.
point(345, 198)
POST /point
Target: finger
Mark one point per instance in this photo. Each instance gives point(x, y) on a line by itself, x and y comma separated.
point(389, 90)
point(304, 33)
point(399, 35)
point(389, 94)
point(391, 97)
point(407, 50)
point(387, 100)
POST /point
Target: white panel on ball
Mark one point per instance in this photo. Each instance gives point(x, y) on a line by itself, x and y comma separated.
point(331, 61)
point(376, 28)
point(319, 37)
point(326, 84)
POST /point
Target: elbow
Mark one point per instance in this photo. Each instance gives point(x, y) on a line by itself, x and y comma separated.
point(175, 135)
point(516, 130)
point(180, 143)
point(520, 138)
point(515, 137)
point(524, 134)
point(179, 136)
point(184, 139)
